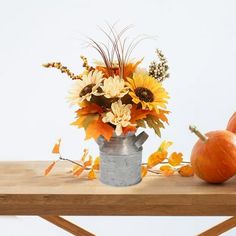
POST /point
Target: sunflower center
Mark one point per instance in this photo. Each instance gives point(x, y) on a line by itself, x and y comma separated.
point(144, 94)
point(87, 89)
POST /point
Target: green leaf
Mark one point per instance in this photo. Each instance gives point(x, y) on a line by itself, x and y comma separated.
point(154, 123)
point(141, 123)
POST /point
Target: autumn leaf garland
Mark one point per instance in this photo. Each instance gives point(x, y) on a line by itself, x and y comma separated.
point(86, 163)
point(168, 165)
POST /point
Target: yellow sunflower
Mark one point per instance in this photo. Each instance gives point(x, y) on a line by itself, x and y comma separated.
point(147, 91)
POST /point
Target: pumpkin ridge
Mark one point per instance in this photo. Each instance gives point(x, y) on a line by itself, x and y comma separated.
point(215, 167)
point(227, 153)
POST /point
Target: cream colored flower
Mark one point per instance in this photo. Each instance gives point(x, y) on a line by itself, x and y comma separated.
point(86, 87)
point(119, 116)
point(114, 87)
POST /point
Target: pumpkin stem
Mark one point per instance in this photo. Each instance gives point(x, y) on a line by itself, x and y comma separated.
point(194, 129)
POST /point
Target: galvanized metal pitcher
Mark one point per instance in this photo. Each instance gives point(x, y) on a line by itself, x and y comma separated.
point(121, 159)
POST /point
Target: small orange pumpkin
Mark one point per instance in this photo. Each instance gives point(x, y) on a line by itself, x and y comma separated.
point(213, 157)
point(232, 124)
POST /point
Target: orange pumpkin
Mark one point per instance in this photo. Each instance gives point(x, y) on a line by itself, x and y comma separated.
point(232, 124)
point(213, 157)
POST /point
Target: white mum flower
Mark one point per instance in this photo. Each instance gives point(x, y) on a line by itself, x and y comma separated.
point(86, 87)
point(114, 87)
point(119, 116)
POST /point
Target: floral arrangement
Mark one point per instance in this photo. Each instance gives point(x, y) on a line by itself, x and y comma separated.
point(116, 95)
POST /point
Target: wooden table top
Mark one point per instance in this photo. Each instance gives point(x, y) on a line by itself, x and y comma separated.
point(25, 191)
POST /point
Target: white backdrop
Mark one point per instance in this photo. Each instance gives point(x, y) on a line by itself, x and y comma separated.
point(198, 38)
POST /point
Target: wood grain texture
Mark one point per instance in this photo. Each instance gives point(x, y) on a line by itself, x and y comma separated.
point(25, 191)
point(67, 226)
point(220, 228)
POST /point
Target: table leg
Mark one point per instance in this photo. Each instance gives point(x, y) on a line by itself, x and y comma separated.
point(220, 228)
point(67, 225)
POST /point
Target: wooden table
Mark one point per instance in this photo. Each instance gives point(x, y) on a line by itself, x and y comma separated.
point(25, 191)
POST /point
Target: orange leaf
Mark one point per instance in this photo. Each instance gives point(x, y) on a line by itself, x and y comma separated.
point(85, 120)
point(78, 171)
point(175, 158)
point(186, 171)
point(89, 162)
point(168, 173)
point(144, 171)
point(165, 167)
point(89, 109)
point(84, 155)
point(160, 155)
point(130, 68)
point(92, 174)
point(49, 168)
point(56, 148)
point(164, 146)
point(166, 170)
point(97, 128)
point(156, 158)
point(160, 114)
point(96, 163)
point(105, 71)
point(129, 128)
point(79, 122)
point(138, 114)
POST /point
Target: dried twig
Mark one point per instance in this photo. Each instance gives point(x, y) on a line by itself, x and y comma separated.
point(63, 69)
point(74, 162)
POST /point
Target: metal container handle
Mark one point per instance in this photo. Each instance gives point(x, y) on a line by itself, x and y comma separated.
point(140, 139)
